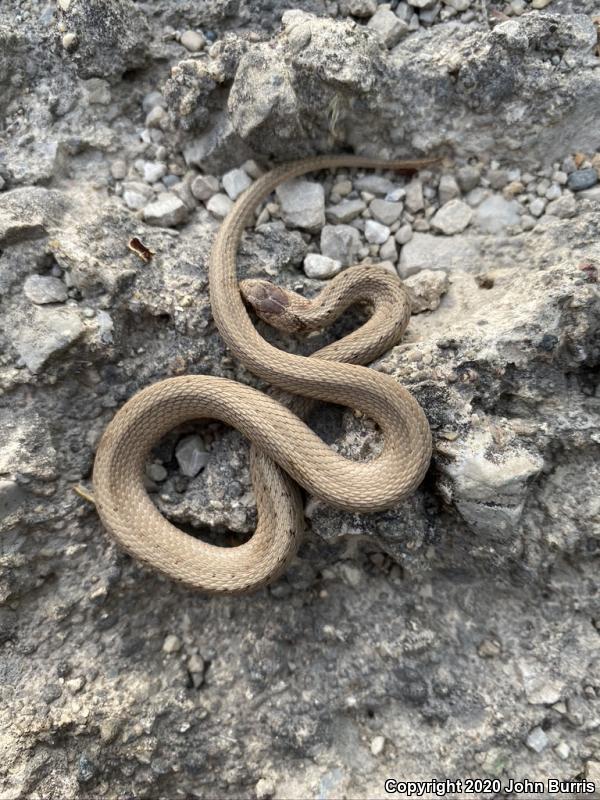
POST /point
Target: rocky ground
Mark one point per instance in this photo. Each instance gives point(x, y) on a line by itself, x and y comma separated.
point(453, 636)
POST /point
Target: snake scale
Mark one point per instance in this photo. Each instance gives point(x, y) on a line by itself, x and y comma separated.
point(285, 452)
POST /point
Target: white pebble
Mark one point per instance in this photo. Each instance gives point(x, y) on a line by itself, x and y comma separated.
point(171, 644)
point(219, 205)
point(377, 745)
point(321, 267)
point(235, 182)
point(375, 232)
point(193, 41)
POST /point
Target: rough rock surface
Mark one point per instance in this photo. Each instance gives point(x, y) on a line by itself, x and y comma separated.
point(453, 635)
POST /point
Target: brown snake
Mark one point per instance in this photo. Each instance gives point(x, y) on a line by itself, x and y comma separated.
point(285, 451)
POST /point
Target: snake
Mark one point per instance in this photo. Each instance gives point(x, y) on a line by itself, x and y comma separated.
point(285, 452)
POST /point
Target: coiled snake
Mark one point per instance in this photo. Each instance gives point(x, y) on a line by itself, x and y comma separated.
point(285, 451)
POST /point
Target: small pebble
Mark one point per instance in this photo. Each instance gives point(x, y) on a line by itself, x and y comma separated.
point(388, 26)
point(167, 211)
point(235, 182)
point(414, 196)
point(388, 250)
point(537, 206)
point(264, 789)
point(69, 40)
point(156, 472)
point(448, 188)
point(340, 242)
point(302, 204)
point(582, 179)
point(171, 644)
point(204, 187)
point(219, 205)
point(377, 745)
point(345, 211)
point(452, 218)
point(118, 169)
point(385, 212)
point(192, 41)
point(321, 267)
point(537, 740)
point(375, 232)
point(191, 455)
point(154, 171)
point(404, 234)
point(468, 177)
point(562, 750)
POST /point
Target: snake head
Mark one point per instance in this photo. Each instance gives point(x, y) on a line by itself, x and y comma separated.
point(267, 299)
point(280, 308)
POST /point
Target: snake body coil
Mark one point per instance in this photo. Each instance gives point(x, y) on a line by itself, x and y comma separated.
point(285, 451)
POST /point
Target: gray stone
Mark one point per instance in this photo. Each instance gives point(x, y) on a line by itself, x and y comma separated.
point(426, 289)
point(191, 455)
point(375, 232)
point(45, 334)
point(537, 206)
point(204, 186)
point(345, 211)
point(136, 194)
point(321, 267)
point(537, 740)
point(374, 184)
point(565, 207)
point(388, 250)
point(341, 243)
point(468, 177)
point(302, 204)
point(156, 472)
point(385, 212)
point(425, 251)
point(154, 171)
point(167, 211)
point(358, 8)
point(496, 213)
point(453, 217)
point(404, 234)
point(414, 196)
point(582, 179)
point(448, 189)
point(41, 289)
point(219, 205)
point(388, 26)
point(235, 182)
